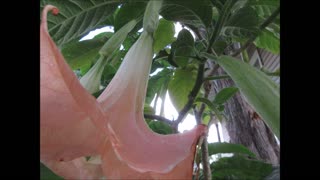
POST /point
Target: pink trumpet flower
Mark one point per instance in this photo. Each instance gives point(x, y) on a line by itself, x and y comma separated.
point(74, 125)
point(122, 101)
point(67, 109)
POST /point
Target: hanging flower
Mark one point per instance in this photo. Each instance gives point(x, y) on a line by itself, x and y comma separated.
point(134, 144)
point(67, 110)
point(74, 125)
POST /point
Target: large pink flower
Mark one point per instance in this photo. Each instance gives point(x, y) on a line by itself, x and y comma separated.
point(132, 140)
point(67, 110)
point(74, 125)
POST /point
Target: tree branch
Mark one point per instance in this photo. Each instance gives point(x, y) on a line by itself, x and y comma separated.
point(262, 26)
point(191, 96)
point(159, 118)
point(204, 149)
point(205, 159)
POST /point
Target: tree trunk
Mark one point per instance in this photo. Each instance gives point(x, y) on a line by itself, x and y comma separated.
point(244, 126)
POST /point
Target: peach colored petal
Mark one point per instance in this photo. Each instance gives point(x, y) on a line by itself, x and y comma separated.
point(78, 169)
point(113, 168)
point(67, 109)
point(69, 115)
point(134, 143)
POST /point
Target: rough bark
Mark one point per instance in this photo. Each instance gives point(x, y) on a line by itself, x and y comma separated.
point(244, 126)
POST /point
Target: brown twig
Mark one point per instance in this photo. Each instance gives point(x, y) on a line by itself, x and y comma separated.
point(191, 96)
point(159, 118)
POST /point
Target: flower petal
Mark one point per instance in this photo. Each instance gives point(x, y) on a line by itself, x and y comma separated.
point(113, 168)
point(67, 109)
point(78, 169)
point(122, 101)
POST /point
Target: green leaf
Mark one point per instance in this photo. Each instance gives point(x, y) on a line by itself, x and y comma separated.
point(184, 46)
point(211, 78)
point(242, 24)
point(148, 109)
point(127, 12)
point(225, 94)
point(160, 127)
point(76, 18)
point(267, 40)
point(263, 2)
point(164, 35)
point(193, 12)
point(155, 66)
point(220, 45)
point(212, 106)
point(130, 40)
point(260, 91)
point(107, 74)
point(103, 35)
point(97, 94)
point(238, 167)
point(275, 174)
point(200, 45)
point(216, 148)
point(80, 55)
point(180, 86)
point(156, 82)
point(264, 9)
point(47, 174)
point(206, 118)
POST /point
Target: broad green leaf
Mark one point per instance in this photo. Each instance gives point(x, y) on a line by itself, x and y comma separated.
point(164, 35)
point(264, 9)
point(97, 94)
point(130, 40)
point(260, 91)
point(267, 40)
point(160, 127)
point(239, 167)
point(220, 108)
point(225, 94)
point(220, 45)
point(184, 46)
point(269, 73)
point(275, 174)
point(76, 18)
point(180, 86)
point(194, 12)
point(216, 148)
point(103, 35)
point(47, 174)
point(213, 107)
point(242, 24)
point(148, 109)
point(155, 66)
point(263, 2)
point(80, 55)
point(275, 29)
point(107, 74)
point(127, 12)
point(211, 78)
point(206, 119)
point(155, 83)
point(200, 45)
